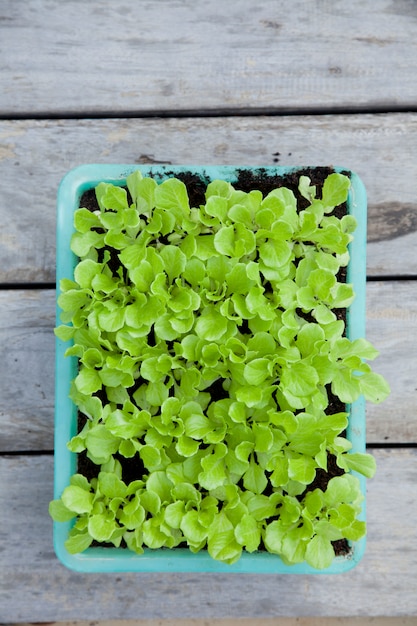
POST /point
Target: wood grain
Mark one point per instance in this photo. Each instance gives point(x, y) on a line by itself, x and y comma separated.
point(181, 56)
point(47, 591)
point(27, 357)
point(392, 328)
point(35, 155)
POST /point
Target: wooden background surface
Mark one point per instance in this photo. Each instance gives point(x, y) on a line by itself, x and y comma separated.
point(180, 81)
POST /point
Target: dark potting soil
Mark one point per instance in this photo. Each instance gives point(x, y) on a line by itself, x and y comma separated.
point(247, 180)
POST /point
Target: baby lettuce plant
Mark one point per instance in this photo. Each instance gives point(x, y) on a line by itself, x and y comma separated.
point(209, 349)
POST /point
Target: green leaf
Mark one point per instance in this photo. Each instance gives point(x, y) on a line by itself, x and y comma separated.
point(85, 220)
point(306, 190)
point(185, 446)
point(345, 488)
point(237, 412)
point(85, 271)
point(110, 485)
point(81, 243)
point(374, 387)
point(194, 272)
point(174, 261)
point(59, 512)
point(142, 275)
point(112, 222)
point(314, 502)
point(254, 478)
point(309, 339)
point(76, 499)
point(213, 474)
point(64, 333)
point(356, 530)
point(127, 448)
point(342, 296)
point(133, 514)
point(294, 545)
point(156, 393)
point(224, 241)
point(105, 283)
point(243, 450)
point(319, 552)
point(363, 463)
point(197, 426)
point(360, 347)
point(100, 527)
point(221, 543)
point(172, 196)
point(275, 253)
point(194, 531)
point(159, 483)
point(299, 378)
point(115, 377)
point(264, 437)
point(247, 533)
point(321, 282)
point(248, 395)
point(216, 206)
point(112, 319)
point(335, 190)
point(122, 424)
point(101, 444)
point(302, 469)
point(220, 188)
point(261, 507)
point(342, 516)
point(153, 533)
point(257, 371)
point(241, 214)
point(345, 385)
point(111, 197)
point(174, 514)
point(142, 191)
point(132, 255)
point(211, 325)
point(237, 279)
point(73, 299)
point(273, 537)
point(78, 542)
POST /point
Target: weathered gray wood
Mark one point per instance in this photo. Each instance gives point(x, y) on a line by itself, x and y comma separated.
point(170, 55)
point(392, 328)
point(35, 155)
point(27, 358)
point(35, 587)
point(27, 361)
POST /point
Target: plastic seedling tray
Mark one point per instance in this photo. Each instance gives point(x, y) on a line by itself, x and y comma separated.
point(103, 559)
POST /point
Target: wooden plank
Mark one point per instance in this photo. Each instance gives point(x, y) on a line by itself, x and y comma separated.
point(392, 328)
point(35, 155)
point(179, 56)
point(384, 583)
point(27, 355)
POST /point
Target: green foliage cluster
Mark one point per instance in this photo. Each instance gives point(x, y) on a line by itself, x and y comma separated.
point(207, 341)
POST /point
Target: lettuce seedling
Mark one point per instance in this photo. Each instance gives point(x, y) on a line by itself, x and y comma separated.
point(209, 350)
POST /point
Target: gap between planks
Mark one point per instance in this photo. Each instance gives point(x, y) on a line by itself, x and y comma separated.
point(278, 621)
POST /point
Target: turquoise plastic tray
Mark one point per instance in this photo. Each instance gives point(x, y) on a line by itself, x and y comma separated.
point(99, 559)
